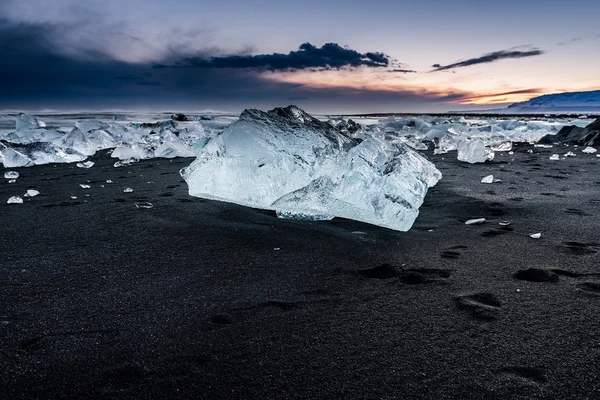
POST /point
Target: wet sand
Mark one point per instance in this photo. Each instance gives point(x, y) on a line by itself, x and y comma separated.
point(200, 299)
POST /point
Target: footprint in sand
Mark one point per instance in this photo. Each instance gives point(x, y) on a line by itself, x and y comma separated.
point(411, 276)
point(579, 248)
point(590, 288)
point(531, 375)
point(536, 275)
point(484, 306)
point(497, 232)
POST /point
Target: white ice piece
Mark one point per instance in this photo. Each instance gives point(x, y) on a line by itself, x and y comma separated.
point(554, 157)
point(87, 164)
point(15, 200)
point(535, 235)
point(31, 193)
point(474, 152)
point(589, 150)
point(570, 154)
point(144, 205)
point(287, 161)
point(128, 190)
point(488, 179)
point(84, 186)
point(477, 221)
point(11, 175)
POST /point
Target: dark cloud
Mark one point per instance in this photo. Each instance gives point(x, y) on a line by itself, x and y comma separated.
point(308, 56)
point(37, 75)
point(489, 58)
point(403, 71)
point(532, 91)
point(570, 41)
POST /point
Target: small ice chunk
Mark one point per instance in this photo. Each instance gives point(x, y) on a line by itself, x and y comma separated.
point(535, 235)
point(12, 181)
point(144, 205)
point(128, 190)
point(84, 186)
point(589, 150)
point(504, 223)
point(530, 151)
point(543, 146)
point(570, 154)
point(554, 157)
point(11, 175)
point(510, 153)
point(124, 163)
point(504, 146)
point(109, 181)
point(31, 193)
point(15, 200)
point(74, 197)
point(488, 179)
point(477, 221)
point(87, 164)
point(474, 152)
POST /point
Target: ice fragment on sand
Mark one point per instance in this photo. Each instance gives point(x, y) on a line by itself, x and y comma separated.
point(589, 150)
point(128, 190)
point(488, 179)
point(543, 146)
point(84, 186)
point(474, 152)
point(15, 200)
point(504, 146)
point(504, 223)
point(287, 161)
point(570, 154)
point(144, 205)
point(535, 235)
point(554, 157)
point(477, 221)
point(109, 181)
point(124, 163)
point(74, 197)
point(31, 193)
point(12, 181)
point(11, 175)
point(87, 164)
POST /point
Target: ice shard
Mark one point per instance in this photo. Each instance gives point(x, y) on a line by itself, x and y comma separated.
point(286, 160)
point(474, 152)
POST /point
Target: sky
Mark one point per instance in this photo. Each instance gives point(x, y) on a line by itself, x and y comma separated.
point(324, 56)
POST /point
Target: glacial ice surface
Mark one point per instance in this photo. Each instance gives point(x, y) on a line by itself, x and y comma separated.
point(286, 160)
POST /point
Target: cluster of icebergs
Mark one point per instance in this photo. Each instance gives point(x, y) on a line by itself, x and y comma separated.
point(474, 140)
point(35, 143)
point(286, 160)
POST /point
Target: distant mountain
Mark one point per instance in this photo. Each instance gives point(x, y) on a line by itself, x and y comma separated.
point(558, 103)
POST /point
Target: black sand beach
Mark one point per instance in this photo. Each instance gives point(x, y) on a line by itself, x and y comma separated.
point(201, 299)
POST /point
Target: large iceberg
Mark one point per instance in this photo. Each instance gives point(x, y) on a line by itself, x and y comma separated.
point(286, 160)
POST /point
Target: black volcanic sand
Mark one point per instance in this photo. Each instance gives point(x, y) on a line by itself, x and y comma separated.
point(201, 299)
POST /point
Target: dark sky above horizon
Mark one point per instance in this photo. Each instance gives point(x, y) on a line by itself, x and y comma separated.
point(324, 56)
